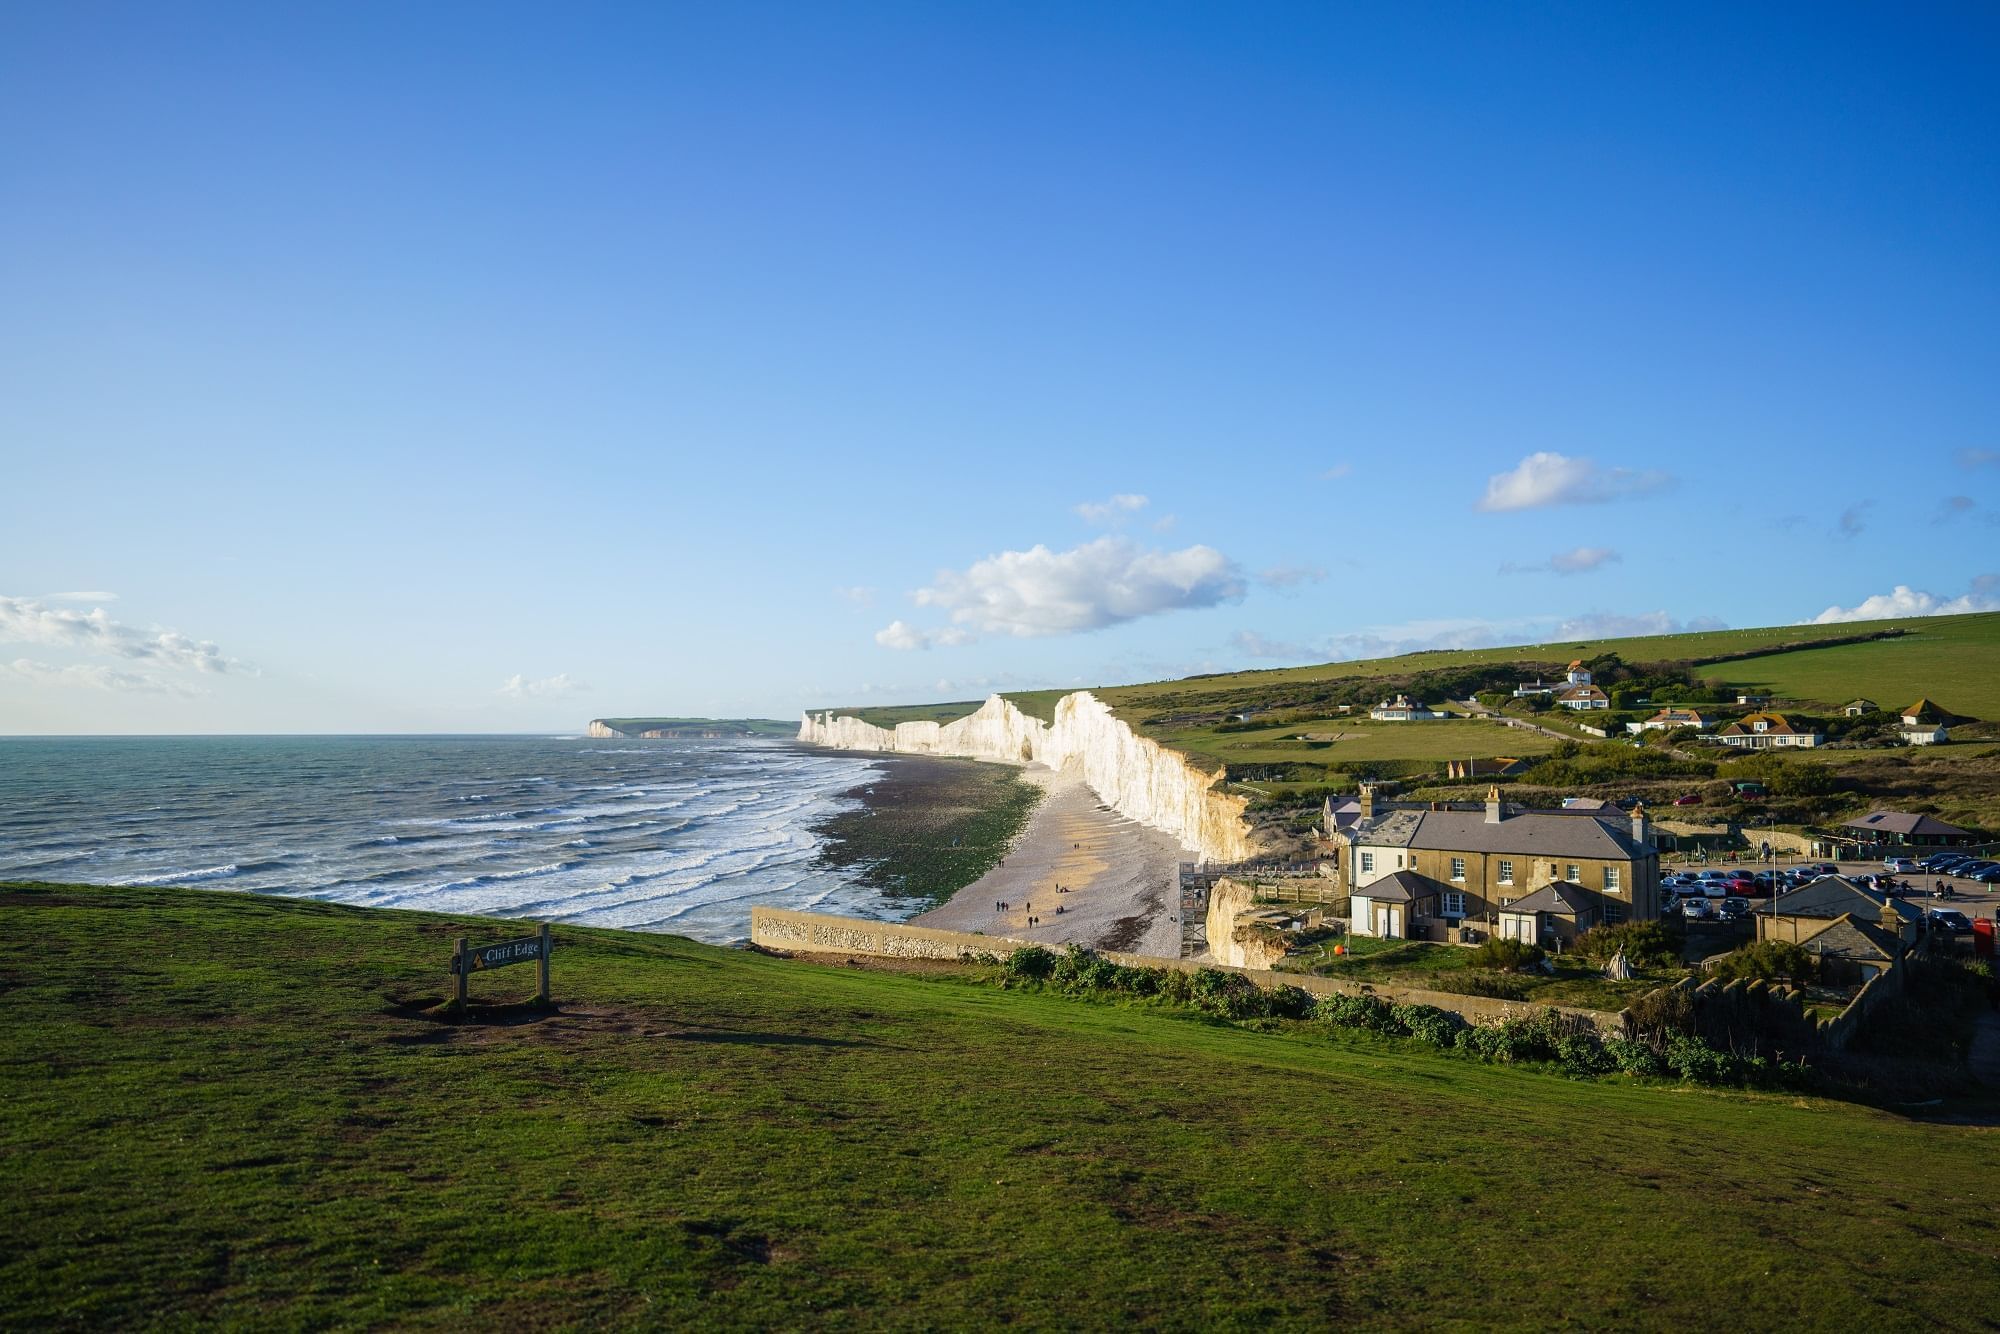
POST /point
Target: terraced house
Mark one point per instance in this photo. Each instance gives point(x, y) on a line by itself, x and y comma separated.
point(1426, 871)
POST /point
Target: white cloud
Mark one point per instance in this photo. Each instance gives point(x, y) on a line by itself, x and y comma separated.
point(1984, 595)
point(1619, 625)
point(1979, 458)
point(1546, 478)
point(1578, 560)
point(28, 621)
point(518, 686)
point(1038, 592)
point(859, 594)
point(1336, 472)
point(78, 597)
point(1291, 576)
point(902, 635)
point(95, 676)
point(1166, 523)
point(1101, 511)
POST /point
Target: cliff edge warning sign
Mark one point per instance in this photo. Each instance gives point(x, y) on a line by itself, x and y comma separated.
point(535, 949)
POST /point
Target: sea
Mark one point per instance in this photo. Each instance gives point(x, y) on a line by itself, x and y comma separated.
point(679, 836)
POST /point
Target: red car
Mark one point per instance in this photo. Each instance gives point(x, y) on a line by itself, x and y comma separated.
point(1691, 799)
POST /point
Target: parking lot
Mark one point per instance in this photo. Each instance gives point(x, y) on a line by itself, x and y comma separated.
point(1933, 890)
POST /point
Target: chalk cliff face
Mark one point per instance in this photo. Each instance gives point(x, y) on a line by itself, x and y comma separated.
point(1136, 777)
point(598, 729)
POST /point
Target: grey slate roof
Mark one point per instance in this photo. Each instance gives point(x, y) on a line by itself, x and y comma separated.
point(1901, 822)
point(1402, 887)
point(1558, 896)
point(1389, 829)
point(1530, 834)
point(1830, 896)
point(1848, 938)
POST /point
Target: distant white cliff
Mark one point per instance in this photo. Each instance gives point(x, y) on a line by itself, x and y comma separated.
point(1135, 776)
point(597, 728)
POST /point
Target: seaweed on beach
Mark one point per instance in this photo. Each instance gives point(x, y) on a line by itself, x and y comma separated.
point(927, 827)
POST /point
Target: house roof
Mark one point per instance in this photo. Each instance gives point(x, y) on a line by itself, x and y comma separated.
point(1848, 938)
point(1835, 896)
point(1574, 665)
point(1584, 803)
point(1402, 887)
point(1389, 829)
point(1674, 711)
point(1562, 897)
point(1922, 707)
point(1775, 724)
point(1862, 700)
point(1902, 822)
point(1582, 692)
point(1530, 833)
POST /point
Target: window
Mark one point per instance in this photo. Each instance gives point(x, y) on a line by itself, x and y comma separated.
point(1575, 876)
point(1367, 863)
point(1613, 916)
point(1454, 904)
point(1610, 880)
point(1506, 872)
point(1458, 868)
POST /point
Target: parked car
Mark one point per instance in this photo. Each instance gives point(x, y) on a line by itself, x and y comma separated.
point(1734, 909)
point(1938, 861)
point(1900, 866)
point(1691, 799)
point(1949, 919)
point(1990, 875)
point(1695, 910)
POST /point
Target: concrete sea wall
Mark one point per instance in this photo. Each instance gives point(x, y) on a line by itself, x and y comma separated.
point(1135, 776)
point(791, 932)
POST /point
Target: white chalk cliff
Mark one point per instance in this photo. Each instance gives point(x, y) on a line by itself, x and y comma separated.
point(598, 728)
point(1135, 776)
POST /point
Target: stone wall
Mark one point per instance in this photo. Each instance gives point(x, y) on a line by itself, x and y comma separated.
point(793, 932)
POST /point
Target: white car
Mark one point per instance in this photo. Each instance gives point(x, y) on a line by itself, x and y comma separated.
point(1901, 866)
point(1695, 910)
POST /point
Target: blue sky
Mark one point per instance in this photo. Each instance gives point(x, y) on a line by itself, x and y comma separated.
point(487, 367)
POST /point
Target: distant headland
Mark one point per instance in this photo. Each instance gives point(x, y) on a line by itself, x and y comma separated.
point(686, 728)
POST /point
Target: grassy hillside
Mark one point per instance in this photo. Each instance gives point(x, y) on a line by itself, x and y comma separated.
point(229, 1108)
point(1955, 660)
point(1354, 738)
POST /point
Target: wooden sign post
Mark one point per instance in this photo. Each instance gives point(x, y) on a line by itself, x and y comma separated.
point(466, 961)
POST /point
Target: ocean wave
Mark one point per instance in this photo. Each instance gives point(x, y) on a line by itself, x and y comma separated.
point(184, 877)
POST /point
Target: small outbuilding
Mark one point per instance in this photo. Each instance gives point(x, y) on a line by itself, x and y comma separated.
point(1559, 910)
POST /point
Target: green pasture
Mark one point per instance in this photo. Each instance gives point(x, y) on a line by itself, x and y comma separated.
point(1954, 660)
point(231, 1110)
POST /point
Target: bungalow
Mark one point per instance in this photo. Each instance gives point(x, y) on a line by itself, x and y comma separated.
point(1583, 696)
point(1558, 911)
point(1389, 906)
point(1766, 731)
point(1926, 734)
point(1854, 708)
point(1577, 675)
point(1924, 712)
point(1903, 829)
point(1810, 909)
point(1852, 951)
point(1670, 718)
point(1400, 710)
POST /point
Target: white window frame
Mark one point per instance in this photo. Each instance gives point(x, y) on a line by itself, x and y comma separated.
point(1611, 881)
point(1575, 876)
point(1454, 903)
point(1368, 863)
point(1458, 870)
point(1506, 870)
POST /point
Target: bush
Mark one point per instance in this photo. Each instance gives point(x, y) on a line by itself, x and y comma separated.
point(1438, 1027)
point(1290, 1003)
point(1634, 1057)
point(1507, 955)
point(1697, 1062)
point(1583, 1056)
point(1642, 942)
point(1769, 960)
point(1479, 982)
point(1368, 1012)
point(1230, 995)
point(1030, 963)
point(1658, 1013)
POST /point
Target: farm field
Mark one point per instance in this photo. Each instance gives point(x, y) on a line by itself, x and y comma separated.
point(1342, 740)
point(239, 1110)
point(1954, 660)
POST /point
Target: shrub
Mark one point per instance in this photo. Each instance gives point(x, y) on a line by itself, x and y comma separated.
point(1583, 1056)
point(1290, 1003)
point(1427, 1022)
point(1369, 1012)
point(1231, 995)
point(1634, 1057)
point(1507, 955)
point(1697, 1062)
point(1769, 960)
point(1657, 1013)
point(1030, 963)
point(1642, 942)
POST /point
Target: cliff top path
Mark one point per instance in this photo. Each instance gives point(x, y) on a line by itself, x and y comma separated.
point(1120, 878)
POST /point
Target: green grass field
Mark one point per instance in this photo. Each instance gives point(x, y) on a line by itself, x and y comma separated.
point(1337, 741)
point(1955, 660)
point(230, 1109)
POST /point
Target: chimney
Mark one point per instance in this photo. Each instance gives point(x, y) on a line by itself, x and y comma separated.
point(1367, 801)
point(1642, 827)
point(1493, 804)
